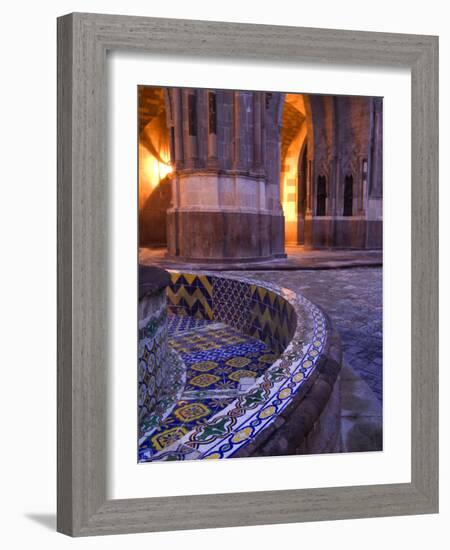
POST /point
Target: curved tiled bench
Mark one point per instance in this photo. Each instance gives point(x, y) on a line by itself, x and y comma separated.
point(294, 406)
point(160, 374)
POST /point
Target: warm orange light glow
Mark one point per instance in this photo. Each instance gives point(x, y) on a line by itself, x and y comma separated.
point(290, 211)
point(154, 169)
point(289, 193)
point(163, 170)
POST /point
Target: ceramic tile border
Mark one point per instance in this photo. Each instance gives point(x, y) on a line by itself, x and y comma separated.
point(229, 430)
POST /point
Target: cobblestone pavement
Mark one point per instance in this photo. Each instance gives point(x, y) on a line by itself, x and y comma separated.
point(353, 300)
point(297, 258)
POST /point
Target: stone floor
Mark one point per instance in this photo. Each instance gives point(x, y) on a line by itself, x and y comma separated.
point(353, 300)
point(361, 414)
point(297, 258)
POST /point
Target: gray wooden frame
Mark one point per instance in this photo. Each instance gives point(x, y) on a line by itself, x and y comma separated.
point(83, 40)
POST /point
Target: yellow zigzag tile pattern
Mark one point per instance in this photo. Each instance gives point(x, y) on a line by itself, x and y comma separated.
point(268, 316)
point(192, 295)
point(191, 280)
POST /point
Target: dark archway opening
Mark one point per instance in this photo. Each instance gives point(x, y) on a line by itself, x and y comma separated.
point(348, 196)
point(301, 195)
point(321, 196)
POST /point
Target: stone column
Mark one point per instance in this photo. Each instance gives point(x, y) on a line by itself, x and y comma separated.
point(376, 180)
point(374, 194)
point(309, 188)
point(335, 186)
point(189, 119)
point(360, 187)
point(211, 117)
point(236, 131)
point(257, 132)
point(222, 209)
point(309, 213)
point(178, 128)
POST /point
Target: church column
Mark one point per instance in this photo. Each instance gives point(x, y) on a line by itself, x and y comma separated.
point(360, 187)
point(211, 117)
point(309, 189)
point(334, 186)
point(178, 127)
point(189, 104)
point(376, 179)
point(374, 191)
point(220, 202)
point(263, 130)
point(257, 131)
point(236, 130)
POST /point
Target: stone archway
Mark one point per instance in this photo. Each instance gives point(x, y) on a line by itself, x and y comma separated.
point(296, 148)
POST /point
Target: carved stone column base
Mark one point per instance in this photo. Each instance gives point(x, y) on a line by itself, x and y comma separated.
point(344, 232)
point(224, 235)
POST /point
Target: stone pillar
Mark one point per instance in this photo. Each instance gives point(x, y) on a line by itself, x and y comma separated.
point(309, 189)
point(211, 117)
point(178, 129)
point(335, 186)
point(374, 208)
point(376, 180)
point(360, 188)
point(223, 206)
point(257, 132)
point(236, 130)
point(189, 123)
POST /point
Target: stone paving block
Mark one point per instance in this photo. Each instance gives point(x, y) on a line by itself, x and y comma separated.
point(353, 299)
point(362, 434)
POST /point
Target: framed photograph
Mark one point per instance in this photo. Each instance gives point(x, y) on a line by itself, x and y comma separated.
point(247, 274)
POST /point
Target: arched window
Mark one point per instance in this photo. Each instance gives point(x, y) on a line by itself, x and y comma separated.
point(302, 169)
point(348, 195)
point(321, 196)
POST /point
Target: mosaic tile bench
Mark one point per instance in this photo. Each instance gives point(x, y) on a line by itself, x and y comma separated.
point(251, 370)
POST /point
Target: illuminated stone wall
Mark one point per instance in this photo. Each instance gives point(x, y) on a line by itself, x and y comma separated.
point(332, 197)
point(225, 183)
point(293, 139)
point(233, 175)
point(154, 167)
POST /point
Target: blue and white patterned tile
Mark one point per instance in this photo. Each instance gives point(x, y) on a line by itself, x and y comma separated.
point(213, 381)
point(223, 433)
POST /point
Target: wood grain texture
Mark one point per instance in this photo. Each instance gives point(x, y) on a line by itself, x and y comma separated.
point(83, 243)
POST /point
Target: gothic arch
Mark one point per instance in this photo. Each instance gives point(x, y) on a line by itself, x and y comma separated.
point(296, 137)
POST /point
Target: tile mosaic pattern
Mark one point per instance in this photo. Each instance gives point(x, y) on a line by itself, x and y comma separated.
point(250, 308)
point(282, 321)
point(272, 318)
point(153, 364)
point(191, 295)
point(353, 298)
point(173, 386)
point(213, 380)
point(231, 303)
point(182, 323)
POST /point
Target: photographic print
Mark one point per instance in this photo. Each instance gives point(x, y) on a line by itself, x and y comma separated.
point(257, 327)
point(260, 274)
